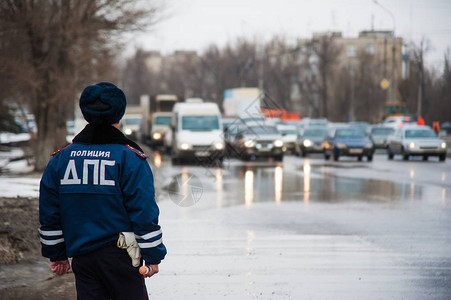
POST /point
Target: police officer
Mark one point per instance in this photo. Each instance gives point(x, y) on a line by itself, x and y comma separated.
point(91, 191)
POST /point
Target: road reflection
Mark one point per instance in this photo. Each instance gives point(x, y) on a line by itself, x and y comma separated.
point(219, 183)
point(307, 169)
point(249, 187)
point(307, 184)
point(157, 159)
point(278, 181)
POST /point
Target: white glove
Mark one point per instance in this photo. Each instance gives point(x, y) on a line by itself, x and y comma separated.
point(127, 241)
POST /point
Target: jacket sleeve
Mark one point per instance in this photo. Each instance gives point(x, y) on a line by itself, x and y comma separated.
point(51, 233)
point(139, 199)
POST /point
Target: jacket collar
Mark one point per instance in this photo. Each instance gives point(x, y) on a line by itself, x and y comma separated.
point(103, 134)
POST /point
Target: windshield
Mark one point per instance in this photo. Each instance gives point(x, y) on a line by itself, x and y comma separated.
point(315, 133)
point(382, 131)
point(420, 133)
point(261, 130)
point(200, 123)
point(132, 121)
point(349, 133)
point(288, 131)
point(163, 120)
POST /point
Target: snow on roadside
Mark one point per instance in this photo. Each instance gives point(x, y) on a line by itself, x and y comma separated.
point(19, 187)
point(7, 137)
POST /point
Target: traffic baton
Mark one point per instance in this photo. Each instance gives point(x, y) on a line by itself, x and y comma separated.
point(145, 270)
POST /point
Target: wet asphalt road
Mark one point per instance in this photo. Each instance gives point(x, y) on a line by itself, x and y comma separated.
point(300, 229)
point(307, 229)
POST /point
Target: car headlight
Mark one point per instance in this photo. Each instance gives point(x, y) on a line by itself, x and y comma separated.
point(219, 146)
point(249, 143)
point(278, 143)
point(185, 146)
point(368, 145)
point(128, 131)
point(308, 143)
point(443, 145)
point(156, 136)
point(341, 145)
point(411, 145)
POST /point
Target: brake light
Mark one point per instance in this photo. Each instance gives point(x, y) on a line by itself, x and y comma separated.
point(407, 119)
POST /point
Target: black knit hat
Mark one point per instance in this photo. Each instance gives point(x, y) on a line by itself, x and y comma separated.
point(103, 103)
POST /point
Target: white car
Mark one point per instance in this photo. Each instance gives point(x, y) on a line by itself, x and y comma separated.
point(290, 138)
point(416, 141)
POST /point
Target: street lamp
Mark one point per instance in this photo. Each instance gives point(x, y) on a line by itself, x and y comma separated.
point(393, 70)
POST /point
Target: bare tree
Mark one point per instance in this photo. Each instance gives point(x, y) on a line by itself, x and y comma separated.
point(344, 91)
point(327, 51)
point(307, 80)
point(52, 48)
point(233, 66)
point(418, 54)
point(438, 90)
point(368, 96)
point(281, 71)
point(137, 78)
point(413, 88)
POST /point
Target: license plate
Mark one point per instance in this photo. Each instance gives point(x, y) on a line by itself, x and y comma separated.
point(355, 151)
point(202, 153)
point(265, 150)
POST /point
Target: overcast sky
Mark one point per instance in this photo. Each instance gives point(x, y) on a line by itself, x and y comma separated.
point(194, 24)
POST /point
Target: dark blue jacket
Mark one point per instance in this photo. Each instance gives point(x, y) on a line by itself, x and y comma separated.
point(91, 192)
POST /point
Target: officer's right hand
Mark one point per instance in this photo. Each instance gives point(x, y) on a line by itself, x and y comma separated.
point(153, 272)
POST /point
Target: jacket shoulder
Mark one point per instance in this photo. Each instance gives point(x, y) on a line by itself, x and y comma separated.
point(58, 151)
point(137, 152)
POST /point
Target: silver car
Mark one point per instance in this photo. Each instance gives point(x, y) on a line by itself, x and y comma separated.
point(416, 141)
point(379, 135)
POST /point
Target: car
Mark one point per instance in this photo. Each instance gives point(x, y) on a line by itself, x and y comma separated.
point(361, 125)
point(348, 141)
point(290, 137)
point(260, 141)
point(379, 135)
point(231, 127)
point(131, 126)
point(311, 140)
point(416, 141)
point(161, 126)
point(308, 122)
point(398, 121)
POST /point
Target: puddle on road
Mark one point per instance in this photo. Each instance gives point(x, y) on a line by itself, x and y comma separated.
point(272, 184)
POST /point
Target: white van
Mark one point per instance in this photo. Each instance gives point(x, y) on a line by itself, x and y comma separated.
point(196, 132)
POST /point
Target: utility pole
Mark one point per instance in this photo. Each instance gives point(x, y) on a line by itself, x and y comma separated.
point(420, 85)
point(393, 86)
point(261, 68)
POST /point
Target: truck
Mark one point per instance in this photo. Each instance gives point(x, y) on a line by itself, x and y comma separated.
point(393, 109)
point(160, 108)
point(131, 125)
point(137, 120)
point(161, 135)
